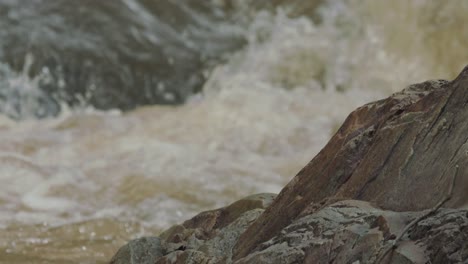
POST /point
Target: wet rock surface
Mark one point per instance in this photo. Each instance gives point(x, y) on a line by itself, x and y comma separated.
point(126, 53)
point(391, 162)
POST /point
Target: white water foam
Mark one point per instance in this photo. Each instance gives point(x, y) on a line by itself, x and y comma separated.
point(262, 116)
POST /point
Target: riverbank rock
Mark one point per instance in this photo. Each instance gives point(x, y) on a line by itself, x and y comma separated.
point(390, 162)
point(354, 231)
point(206, 238)
point(142, 250)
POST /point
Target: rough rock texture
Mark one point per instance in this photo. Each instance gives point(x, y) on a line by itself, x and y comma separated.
point(348, 231)
point(400, 153)
point(211, 235)
point(353, 231)
point(206, 238)
point(391, 162)
point(142, 250)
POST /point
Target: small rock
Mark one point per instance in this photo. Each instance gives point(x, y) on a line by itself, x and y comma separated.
point(145, 250)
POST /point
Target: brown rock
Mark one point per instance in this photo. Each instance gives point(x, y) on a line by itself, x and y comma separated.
point(389, 162)
point(399, 153)
point(210, 236)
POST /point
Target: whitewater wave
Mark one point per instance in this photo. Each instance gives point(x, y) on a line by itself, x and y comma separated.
point(263, 112)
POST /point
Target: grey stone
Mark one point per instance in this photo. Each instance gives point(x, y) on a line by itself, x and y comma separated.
point(145, 250)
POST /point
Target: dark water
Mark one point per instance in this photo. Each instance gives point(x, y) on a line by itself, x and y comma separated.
point(111, 54)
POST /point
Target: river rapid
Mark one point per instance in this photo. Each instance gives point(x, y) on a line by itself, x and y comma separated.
point(121, 118)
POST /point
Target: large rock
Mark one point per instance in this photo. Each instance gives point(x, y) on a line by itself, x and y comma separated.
point(390, 162)
point(348, 231)
point(126, 53)
point(399, 153)
point(210, 236)
point(354, 232)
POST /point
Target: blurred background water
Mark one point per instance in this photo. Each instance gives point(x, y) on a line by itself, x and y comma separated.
point(120, 118)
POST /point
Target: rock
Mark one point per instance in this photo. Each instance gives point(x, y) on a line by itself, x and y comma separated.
point(349, 232)
point(208, 237)
point(391, 162)
point(206, 224)
point(116, 60)
point(211, 235)
point(399, 153)
point(445, 236)
point(143, 250)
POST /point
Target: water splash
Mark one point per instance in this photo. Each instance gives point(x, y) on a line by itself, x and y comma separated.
point(263, 114)
point(127, 53)
point(20, 96)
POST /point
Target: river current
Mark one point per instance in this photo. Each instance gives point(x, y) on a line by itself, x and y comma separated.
point(121, 118)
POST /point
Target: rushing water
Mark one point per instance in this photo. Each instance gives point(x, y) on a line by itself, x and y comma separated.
point(264, 85)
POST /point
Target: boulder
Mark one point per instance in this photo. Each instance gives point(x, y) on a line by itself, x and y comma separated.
point(348, 231)
point(399, 153)
point(391, 162)
point(210, 236)
point(352, 231)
